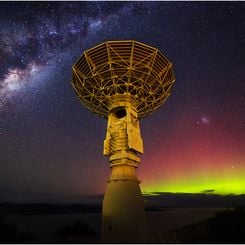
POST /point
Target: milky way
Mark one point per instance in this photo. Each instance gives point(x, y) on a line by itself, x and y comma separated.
point(51, 145)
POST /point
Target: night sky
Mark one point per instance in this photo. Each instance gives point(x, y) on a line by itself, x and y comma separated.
point(51, 146)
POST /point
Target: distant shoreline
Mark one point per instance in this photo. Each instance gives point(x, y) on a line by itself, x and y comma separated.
point(56, 209)
point(159, 202)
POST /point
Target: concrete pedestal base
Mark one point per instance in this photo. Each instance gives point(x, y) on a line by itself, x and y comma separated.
point(123, 215)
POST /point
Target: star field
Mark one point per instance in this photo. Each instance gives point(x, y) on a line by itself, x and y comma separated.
point(51, 145)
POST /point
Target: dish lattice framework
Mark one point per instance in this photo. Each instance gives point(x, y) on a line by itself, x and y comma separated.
point(122, 67)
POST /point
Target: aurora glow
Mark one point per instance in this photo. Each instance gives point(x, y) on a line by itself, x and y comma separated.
point(210, 157)
point(202, 184)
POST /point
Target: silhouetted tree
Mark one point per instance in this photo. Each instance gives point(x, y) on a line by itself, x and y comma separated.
point(9, 233)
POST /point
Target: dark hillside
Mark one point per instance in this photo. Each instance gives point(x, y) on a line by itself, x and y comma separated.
point(226, 227)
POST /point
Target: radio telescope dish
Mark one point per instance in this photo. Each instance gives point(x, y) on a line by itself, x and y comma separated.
point(122, 68)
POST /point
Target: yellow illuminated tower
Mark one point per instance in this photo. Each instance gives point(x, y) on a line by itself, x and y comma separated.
point(123, 81)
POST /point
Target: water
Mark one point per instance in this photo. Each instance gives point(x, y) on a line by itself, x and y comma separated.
point(43, 226)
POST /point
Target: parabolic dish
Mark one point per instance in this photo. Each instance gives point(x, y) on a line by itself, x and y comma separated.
point(122, 67)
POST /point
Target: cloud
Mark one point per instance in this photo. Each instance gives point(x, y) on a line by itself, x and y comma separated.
point(208, 191)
